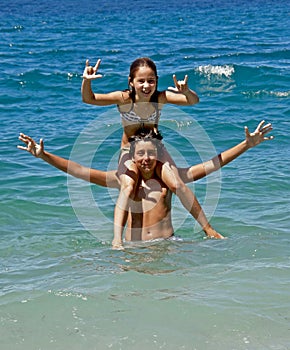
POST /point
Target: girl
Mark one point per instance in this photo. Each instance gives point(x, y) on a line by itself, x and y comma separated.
point(140, 107)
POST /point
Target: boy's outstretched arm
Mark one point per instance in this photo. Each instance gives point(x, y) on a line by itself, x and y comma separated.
point(253, 139)
point(98, 177)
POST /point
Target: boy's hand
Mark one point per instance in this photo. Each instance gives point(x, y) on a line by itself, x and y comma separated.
point(31, 146)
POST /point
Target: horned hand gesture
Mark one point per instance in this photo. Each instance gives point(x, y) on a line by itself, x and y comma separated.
point(180, 86)
point(90, 73)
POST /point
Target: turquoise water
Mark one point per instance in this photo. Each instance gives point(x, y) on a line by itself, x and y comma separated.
point(62, 287)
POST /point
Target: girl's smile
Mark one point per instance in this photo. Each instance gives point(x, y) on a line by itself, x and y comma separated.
point(144, 83)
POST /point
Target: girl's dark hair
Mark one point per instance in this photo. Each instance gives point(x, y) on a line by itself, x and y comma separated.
point(146, 134)
point(143, 62)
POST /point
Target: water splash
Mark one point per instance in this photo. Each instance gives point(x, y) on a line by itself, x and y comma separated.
point(209, 70)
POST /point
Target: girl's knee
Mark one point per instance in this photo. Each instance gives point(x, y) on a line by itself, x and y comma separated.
point(127, 188)
point(176, 186)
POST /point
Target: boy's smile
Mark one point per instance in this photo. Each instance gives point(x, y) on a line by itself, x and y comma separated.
point(145, 157)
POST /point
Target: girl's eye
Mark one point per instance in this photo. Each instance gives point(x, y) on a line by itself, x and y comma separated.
point(150, 81)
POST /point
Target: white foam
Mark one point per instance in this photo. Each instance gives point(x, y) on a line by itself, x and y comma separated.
point(209, 70)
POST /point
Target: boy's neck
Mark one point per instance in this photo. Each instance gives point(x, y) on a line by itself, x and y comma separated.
point(147, 175)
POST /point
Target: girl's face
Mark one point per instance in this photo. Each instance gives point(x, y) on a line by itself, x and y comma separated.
point(144, 83)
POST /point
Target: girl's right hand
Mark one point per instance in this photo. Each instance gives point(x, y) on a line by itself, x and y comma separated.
point(90, 72)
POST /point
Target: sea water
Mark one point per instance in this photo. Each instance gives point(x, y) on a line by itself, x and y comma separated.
point(62, 286)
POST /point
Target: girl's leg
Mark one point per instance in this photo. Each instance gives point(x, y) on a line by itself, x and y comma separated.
point(128, 179)
point(169, 175)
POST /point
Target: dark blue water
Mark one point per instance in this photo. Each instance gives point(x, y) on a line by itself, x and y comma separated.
point(61, 284)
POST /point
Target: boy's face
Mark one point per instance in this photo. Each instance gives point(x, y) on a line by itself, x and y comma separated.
point(145, 156)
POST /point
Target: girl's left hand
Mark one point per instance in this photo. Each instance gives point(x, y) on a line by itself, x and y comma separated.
point(181, 86)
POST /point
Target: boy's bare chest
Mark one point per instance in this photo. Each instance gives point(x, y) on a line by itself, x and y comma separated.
point(152, 192)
